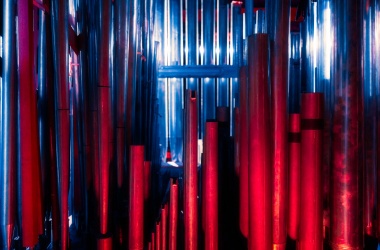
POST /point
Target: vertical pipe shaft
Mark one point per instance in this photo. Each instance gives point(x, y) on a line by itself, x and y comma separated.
point(60, 40)
point(347, 176)
point(294, 140)
point(136, 198)
point(158, 236)
point(7, 152)
point(173, 215)
point(311, 208)
point(164, 226)
point(259, 172)
point(243, 153)
point(279, 84)
point(211, 186)
point(153, 241)
point(190, 172)
point(29, 155)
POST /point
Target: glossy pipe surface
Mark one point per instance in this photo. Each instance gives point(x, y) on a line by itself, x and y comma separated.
point(347, 177)
point(7, 154)
point(211, 186)
point(259, 168)
point(279, 85)
point(136, 198)
point(104, 116)
point(190, 172)
point(243, 153)
point(294, 140)
point(164, 226)
point(311, 206)
point(158, 236)
point(29, 156)
point(173, 215)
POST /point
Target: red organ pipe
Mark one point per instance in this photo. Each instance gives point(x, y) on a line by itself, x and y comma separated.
point(153, 241)
point(158, 236)
point(279, 85)
point(243, 153)
point(211, 186)
point(164, 226)
point(347, 172)
point(259, 172)
point(104, 116)
point(136, 198)
point(31, 200)
point(173, 215)
point(311, 209)
point(190, 172)
point(105, 243)
point(294, 139)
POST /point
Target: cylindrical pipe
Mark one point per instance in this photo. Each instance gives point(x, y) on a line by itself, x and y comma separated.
point(173, 215)
point(211, 186)
point(294, 139)
point(104, 243)
point(190, 172)
point(164, 226)
point(7, 152)
point(153, 241)
point(259, 172)
point(158, 236)
point(243, 153)
point(279, 40)
point(347, 172)
point(59, 11)
point(136, 198)
point(104, 116)
point(311, 206)
point(29, 156)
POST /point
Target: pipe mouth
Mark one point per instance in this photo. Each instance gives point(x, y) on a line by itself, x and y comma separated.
point(193, 94)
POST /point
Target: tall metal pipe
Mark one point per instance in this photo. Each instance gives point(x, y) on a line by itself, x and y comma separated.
point(279, 84)
point(294, 139)
point(347, 176)
point(259, 145)
point(164, 226)
point(136, 198)
point(190, 172)
point(243, 153)
point(7, 147)
point(59, 11)
point(158, 236)
point(173, 215)
point(211, 186)
point(31, 202)
point(311, 207)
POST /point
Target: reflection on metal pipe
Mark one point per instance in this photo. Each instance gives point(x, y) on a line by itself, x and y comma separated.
point(173, 215)
point(136, 198)
point(243, 153)
point(346, 186)
point(158, 236)
point(311, 208)
point(7, 108)
point(190, 172)
point(31, 221)
point(259, 173)
point(164, 226)
point(211, 185)
point(294, 140)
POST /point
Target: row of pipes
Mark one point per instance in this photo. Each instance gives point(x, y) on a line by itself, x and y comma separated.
point(87, 128)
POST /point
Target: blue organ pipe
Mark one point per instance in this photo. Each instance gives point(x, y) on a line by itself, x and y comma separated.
point(221, 55)
point(192, 37)
point(175, 86)
point(7, 160)
point(235, 58)
point(370, 126)
point(294, 88)
point(249, 17)
point(43, 125)
point(208, 95)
